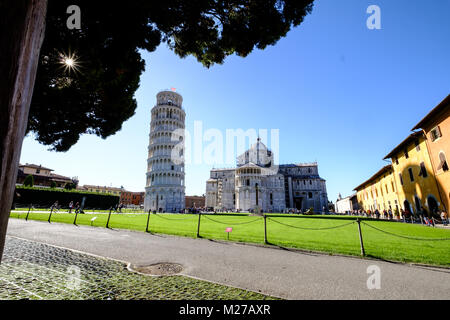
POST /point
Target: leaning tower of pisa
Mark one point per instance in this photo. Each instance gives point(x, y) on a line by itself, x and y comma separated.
point(164, 191)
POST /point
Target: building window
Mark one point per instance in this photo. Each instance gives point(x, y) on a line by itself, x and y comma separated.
point(271, 199)
point(442, 162)
point(310, 195)
point(401, 178)
point(435, 133)
point(416, 142)
point(396, 160)
point(247, 182)
point(423, 171)
point(405, 152)
point(310, 181)
point(411, 176)
point(386, 188)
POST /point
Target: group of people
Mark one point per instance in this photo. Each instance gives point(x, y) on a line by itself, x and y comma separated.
point(118, 207)
point(76, 207)
point(56, 207)
point(404, 215)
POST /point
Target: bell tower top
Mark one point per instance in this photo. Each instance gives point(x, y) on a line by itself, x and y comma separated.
point(168, 97)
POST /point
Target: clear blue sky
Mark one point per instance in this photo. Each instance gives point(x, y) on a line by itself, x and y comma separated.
point(339, 93)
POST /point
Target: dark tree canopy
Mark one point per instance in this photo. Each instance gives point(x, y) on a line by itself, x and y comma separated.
point(29, 181)
point(99, 97)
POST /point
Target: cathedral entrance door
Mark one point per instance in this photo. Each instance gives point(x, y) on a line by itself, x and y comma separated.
point(298, 203)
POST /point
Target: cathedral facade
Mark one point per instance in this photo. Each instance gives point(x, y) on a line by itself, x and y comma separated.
point(258, 184)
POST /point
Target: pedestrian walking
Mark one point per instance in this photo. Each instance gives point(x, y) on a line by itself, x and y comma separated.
point(444, 217)
point(377, 214)
point(427, 214)
point(54, 206)
point(77, 207)
point(70, 206)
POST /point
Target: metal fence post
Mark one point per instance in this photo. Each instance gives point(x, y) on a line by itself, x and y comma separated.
point(109, 216)
point(29, 209)
point(265, 230)
point(75, 219)
point(198, 225)
point(360, 237)
point(50, 215)
point(148, 219)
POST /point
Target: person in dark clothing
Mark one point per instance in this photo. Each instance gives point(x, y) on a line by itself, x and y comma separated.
point(426, 213)
point(377, 214)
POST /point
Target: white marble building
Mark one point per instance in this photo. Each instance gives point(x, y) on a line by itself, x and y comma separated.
point(165, 190)
point(347, 204)
point(257, 183)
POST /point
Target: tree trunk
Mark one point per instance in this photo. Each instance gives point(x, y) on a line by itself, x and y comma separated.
point(22, 26)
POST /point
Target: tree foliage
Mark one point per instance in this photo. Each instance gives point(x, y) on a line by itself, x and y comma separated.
point(29, 181)
point(99, 96)
point(69, 186)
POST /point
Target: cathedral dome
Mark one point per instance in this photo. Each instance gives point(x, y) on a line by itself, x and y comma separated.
point(258, 154)
point(258, 145)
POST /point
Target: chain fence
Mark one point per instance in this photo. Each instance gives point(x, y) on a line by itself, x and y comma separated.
point(173, 219)
point(403, 236)
point(305, 228)
point(232, 223)
point(214, 218)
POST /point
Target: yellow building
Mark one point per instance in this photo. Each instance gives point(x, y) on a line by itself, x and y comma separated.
point(379, 192)
point(436, 126)
point(413, 175)
point(102, 189)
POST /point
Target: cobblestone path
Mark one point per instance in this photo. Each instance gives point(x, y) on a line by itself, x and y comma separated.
point(32, 270)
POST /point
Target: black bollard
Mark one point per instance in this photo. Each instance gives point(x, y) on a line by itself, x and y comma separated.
point(360, 237)
point(265, 230)
point(29, 209)
point(109, 216)
point(75, 219)
point(50, 216)
point(198, 226)
point(148, 219)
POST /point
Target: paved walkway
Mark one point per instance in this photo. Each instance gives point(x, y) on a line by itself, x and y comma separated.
point(280, 272)
point(38, 271)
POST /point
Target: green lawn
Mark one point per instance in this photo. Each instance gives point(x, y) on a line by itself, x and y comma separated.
point(124, 210)
point(343, 240)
